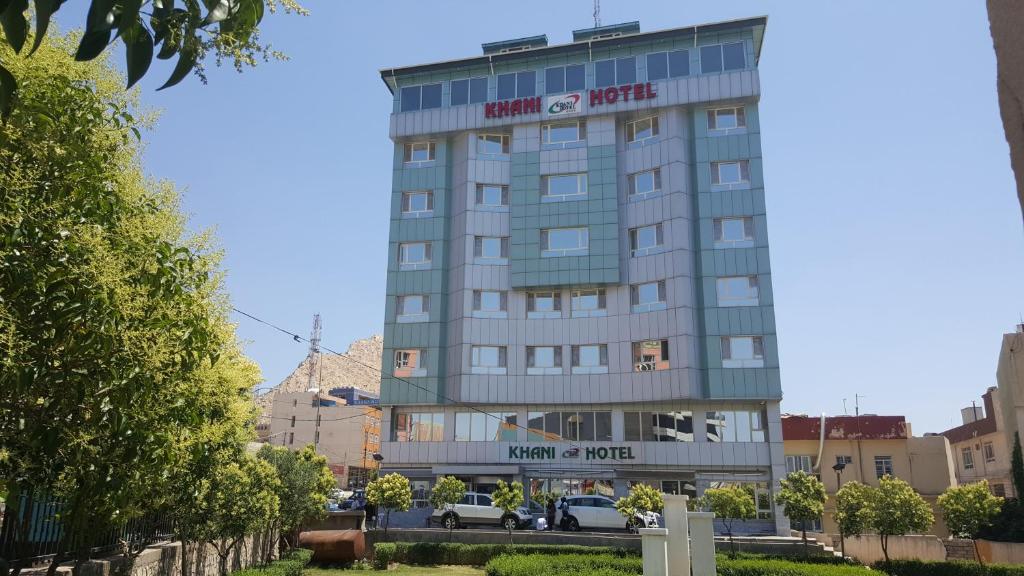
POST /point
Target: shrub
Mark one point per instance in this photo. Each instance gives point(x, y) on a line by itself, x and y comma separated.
point(922, 568)
point(763, 567)
point(563, 565)
point(290, 564)
point(383, 554)
point(435, 553)
point(801, 559)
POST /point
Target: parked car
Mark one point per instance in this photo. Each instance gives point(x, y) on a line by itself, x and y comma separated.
point(600, 512)
point(475, 508)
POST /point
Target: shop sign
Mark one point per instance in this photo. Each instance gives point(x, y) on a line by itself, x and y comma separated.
point(564, 105)
point(613, 94)
point(515, 107)
point(589, 453)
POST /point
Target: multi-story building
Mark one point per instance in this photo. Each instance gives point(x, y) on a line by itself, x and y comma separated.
point(868, 447)
point(579, 293)
point(1010, 380)
point(980, 446)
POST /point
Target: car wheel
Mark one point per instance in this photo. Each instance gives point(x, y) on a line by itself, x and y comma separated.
point(510, 523)
point(450, 521)
point(572, 525)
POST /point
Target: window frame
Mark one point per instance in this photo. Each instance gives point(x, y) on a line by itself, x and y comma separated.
point(478, 311)
point(556, 367)
point(635, 251)
point(638, 307)
point(739, 113)
point(721, 56)
point(656, 184)
point(582, 187)
point(967, 458)
point(517, 92)
point(547, 128)
point(660, 363)
point(726, 300)
point(419, 88)
point(503, 140)
point(478, 250)
point(408, 423)
point(755, 361)
point(632, 141)
point(410, 152)
point(531, 304)
point(422, 316)
point(743, 171)
point(407, 265)
point(601, 294)
point(988, 451)
point(667, 54)
point(582, 249)
point(500, 368)
point(881, 464)
point(615, 63)
point(479, 196)
point(403, 361)
point(576, 353)
point(565, 78)
point(718, 229)
point(407, 202)
point(469, 91)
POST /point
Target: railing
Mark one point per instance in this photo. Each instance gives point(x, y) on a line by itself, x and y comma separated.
point(31, 531)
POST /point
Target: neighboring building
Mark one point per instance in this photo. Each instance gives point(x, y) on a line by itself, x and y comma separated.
point(870, 446)
point(355, 396)
point(579, 293)
point(347, 435)
point(1010, 380)
point(1006, 20)
point(980, 446)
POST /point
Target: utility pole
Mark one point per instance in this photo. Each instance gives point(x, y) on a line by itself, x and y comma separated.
point(856, 404)
point(313, 384)
point(597, 13)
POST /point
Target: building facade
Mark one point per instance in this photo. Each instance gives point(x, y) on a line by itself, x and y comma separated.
point(980, 446)
point(869, 447)
point(579, 292)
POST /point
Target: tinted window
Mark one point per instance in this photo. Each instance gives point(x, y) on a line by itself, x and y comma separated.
point(711, 59)
point(506, 86)
point(657, 66)
point(431, 96)
point(733, 56)
point(482, 500)
point(679, 63)
point(477, 90)
point(460, 92)
point(625, 70)
point(410, 98)
point(554, 80)
point(527, 84)
point(575, 77)
point(467, 499)
point(604, 73)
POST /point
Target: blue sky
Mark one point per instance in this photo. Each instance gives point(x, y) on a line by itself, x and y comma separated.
point(895, 232)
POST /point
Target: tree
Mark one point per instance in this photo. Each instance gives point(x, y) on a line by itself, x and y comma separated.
point(448, 492)
point(853, 513)
point(508, 497)
point(641, 499)
point(111, 315)
point(229, 29)
point(1017, 466)
point(306, 484)
point(730, 503)
point(390, 492)
point(803, 499)
point(243, 499)
point(896, 509)
point(968, 509)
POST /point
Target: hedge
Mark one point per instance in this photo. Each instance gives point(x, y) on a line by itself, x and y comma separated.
point(798, 558)
point(768, 567)
point(290, 564)
point(436, 553)
point(564, 565)
point(923, 568)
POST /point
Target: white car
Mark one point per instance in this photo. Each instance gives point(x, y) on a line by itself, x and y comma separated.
point(600, 512)
point(475, 508)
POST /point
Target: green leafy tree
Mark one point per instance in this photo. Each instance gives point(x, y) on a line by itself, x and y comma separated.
point(448, 491)
point(968, 509)
point(730, 503)
point(306, 484)
point(1017, 465)
point(243, 500)
point(227, 28)
point(508, 497)
point(896, 509)
point(803, 499)
point(853, 510)
point(641, 499)
point(390, 492)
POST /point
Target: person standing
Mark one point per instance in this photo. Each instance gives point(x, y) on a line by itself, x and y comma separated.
point(549, 512)
point(564, 507)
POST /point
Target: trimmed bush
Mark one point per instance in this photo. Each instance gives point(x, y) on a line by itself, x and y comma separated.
point(922, 568)
point(764, 567)
point(798, 558)
point(290, 564)
point(437, 553)
point(564, 565)
point(383, 554)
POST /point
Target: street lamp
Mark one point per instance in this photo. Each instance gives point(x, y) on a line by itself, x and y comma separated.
point(839, 467)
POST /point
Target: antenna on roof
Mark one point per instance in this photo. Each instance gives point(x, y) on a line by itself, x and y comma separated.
point(314, 355)
point(597, 13)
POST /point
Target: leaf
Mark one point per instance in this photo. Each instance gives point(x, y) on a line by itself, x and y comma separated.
point(8, 91)
point(15, 24)
point(92, 45)
point(186, 60)
point(218, 12)
point(129, 14)
point(98, 24)
point(4, 4)
point(138, 52)
point(44, 10)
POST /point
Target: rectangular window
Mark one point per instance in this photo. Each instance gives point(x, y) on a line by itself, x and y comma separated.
point(559, 134)
point(572, 426)
point(968, 458)
point(485, 426)
point(421, 97)
point(647, 297)
point(590, 359)
point(615, 72)
point(742, 352)
point(417, 152)
point(564, 79)
point(650, 356)
point(798, 464)
point(544, 305)
point(736, 426)
point(589, 303)
point(414, 256)
point(725, 119)
point(737, 291)
point(646, 240)
point(989, 452)
point(543, 360)
point(413, 308)
point(491, 195)
point(658, 426)
point(490, 304)
point(517, 85)
point(410, 363)
point(883, 466)
point(488, 360)
point(644, 184)
point(662, 65)
point(844, 460)
point(555, 242)
point(734, 232)
point(730, 173)
point(417, 204)
point(722, 57)
point(418, 427)
point(999, 490)
point(492, 144)
point(640, 131)
point(564, 187)
point(471, 91)
point(490, 249)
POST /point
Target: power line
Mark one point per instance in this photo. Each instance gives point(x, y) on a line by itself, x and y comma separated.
point(300, 339)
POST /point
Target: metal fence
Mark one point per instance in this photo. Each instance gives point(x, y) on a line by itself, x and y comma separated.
point(31, 531)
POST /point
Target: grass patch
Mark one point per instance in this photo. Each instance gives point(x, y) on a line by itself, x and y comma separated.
point(956, 568)
point(766, 567)
point(439, 553)
point(400, 570)
point(564, 565)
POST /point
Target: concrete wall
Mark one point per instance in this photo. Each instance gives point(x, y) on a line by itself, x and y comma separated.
point(867, 549)
point(1001, 552)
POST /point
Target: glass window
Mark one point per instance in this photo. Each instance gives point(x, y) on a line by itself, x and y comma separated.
point(431, 97)
point(419, 152)
point(488, 359)
point(535, 427)
point(459, 92)
point(526, 84)
point(989, 452)
point(469, 91)
point(491, 195)
point(604, 73)
point(679, 63)
point(999, 490)
point(413, 308)
point(736, 172)
point(414, 256)
point(711, 59)
point(410, 363)
point(798, 464)
point(490, 247)
point(477, 90)
point(662, 65)
point(736, 426)
point(742, 352)
point(650, 355)
point(410, 98)
point(603, 426)
point(883, 466)
point(844, 460)
point(590, 359)
point(543, 359)
point(646, 240)
point(490, 301)
point(625, 70)
point(647, 296)
point(733, 57)
point(657, 66)
point(492, 144)
point(727, 118)
point(506, 86)
point(417, 204)
point(485, 426)
point(419, 427)
point(658, 427)
point(643, 184)
point(554, 80)
point(552, 425)
point(563, 132)
point(560, 187)
point(543, 305)
point(641, 130)
point(719, 57)
point(968, 458)
point(575, 77)
point(737, 291)
point(564, 242)
point(733, 232)
point(587, 303)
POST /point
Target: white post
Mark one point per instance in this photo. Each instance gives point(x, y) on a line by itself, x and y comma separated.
point(702, 543)
point(654, 547)
point(678, 534)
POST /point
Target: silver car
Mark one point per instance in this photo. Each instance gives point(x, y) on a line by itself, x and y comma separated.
point(476, 508)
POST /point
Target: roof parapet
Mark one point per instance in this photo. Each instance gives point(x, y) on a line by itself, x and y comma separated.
point(609, 31)
point(516, 45)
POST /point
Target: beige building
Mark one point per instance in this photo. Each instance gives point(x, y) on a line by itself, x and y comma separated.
point(980, 447)
point(1010, 379)
point(347, 435)
point(1006, 20)
point(870, 447)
